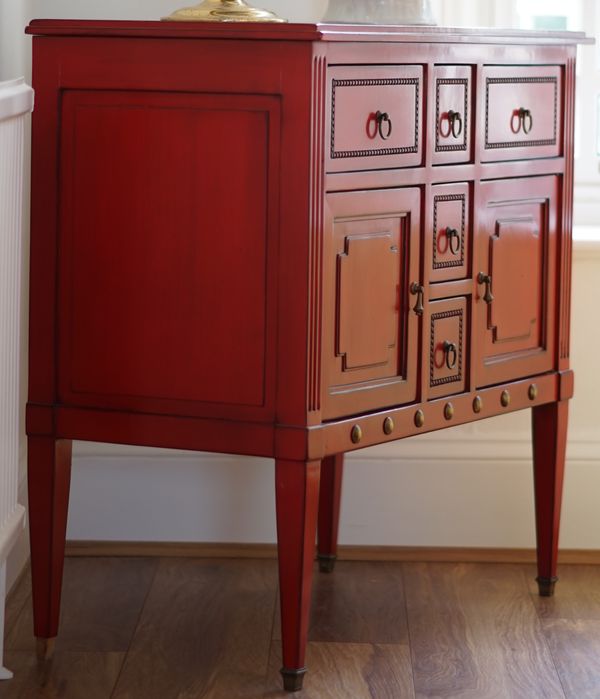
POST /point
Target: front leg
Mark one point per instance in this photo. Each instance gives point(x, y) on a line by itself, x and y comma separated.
point(549, 446)
point(49, 479)
point(297, 500)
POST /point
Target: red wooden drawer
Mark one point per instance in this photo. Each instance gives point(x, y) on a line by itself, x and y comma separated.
point(375, 117)
point(522, 106)
point(452, 114)
point(448, 328)
point(449, 239)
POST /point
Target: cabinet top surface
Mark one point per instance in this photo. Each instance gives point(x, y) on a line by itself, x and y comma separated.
point(298, 32)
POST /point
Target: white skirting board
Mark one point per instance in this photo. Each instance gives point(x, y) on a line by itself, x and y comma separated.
point(16, 101)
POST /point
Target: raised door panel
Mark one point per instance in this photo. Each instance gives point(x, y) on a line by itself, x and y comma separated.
point(368, 317)
point(371, 257)
point(516, 278)
point(167, 237)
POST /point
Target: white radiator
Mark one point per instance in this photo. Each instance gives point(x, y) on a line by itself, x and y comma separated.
point(16, 101)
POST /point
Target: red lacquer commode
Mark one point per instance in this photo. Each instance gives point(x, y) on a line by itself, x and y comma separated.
point(294, 241)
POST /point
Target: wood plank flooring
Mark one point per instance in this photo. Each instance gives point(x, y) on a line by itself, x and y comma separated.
point(185, 628)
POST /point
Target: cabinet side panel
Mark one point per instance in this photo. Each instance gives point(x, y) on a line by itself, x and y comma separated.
point(164, 248)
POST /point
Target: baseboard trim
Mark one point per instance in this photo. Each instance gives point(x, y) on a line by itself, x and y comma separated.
point(430, 554)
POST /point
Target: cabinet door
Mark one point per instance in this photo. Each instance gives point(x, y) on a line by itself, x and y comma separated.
point(371, 257)
point(516, 274)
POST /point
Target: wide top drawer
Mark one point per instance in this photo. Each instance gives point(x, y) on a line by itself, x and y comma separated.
point(522, 112)
point(375, 117)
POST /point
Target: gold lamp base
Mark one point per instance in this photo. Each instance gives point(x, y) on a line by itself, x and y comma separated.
point(223, 11)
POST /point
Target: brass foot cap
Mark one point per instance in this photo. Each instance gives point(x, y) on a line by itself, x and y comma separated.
point(45, 648)
point(293, 679)
point(326, 563)
point(546, 586)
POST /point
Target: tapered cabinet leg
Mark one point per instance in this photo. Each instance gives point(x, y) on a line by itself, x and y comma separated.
point(549, 446)
point(49, 478)
point(330, 494)
point(297, 499)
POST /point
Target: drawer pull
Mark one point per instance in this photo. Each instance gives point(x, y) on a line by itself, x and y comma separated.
point(451, 354)
point(526, 120)
point(418, 290)
point(384, 118)
point(487, 280)
point(456, 123)
point(521, 119)
point(453, 240)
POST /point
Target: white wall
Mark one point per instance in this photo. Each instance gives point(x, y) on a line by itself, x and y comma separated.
point(469, 486)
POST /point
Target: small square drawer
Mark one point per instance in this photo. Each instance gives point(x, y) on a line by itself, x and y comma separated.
point(375, 117)
point(522, 118)
point(447, 346)
point(452, 114)
point(450, 234)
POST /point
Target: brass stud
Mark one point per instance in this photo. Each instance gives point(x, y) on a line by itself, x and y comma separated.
point(505, 399)
point(388, 425)
point(356, 434)
point(448, 411)
point(477, 404)
point(419, 418)
point(533, 392)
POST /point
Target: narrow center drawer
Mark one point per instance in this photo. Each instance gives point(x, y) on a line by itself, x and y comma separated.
point(375, 117)
point(449, 239)
point(448, 327)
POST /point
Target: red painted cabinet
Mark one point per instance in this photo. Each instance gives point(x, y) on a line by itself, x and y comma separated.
point(294, 241)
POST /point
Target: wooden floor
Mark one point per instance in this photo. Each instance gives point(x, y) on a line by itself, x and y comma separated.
point(174, 628)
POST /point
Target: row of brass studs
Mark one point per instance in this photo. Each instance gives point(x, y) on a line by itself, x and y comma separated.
point(356, 434)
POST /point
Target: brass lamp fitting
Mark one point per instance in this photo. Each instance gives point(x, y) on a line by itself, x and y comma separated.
point(223, 11)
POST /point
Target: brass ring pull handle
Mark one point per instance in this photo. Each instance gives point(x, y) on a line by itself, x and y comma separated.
point(515, 126)
point(384, 118)
point(456, 123)
point(418, 290)
point(453, 237)
point(451, 354)
point(526, 120)
point(487, 280)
